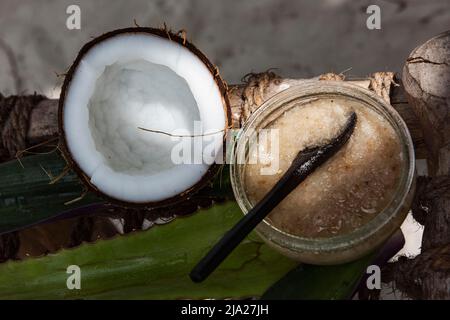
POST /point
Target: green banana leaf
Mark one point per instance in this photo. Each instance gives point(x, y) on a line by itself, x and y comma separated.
point(153, 264)
point(150, 264)
point(320, 282)
point(26, 195)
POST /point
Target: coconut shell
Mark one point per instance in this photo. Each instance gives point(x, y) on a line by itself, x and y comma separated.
point(166, 34)
point(426, 78)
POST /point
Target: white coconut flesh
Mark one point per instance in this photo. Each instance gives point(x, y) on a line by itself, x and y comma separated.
point(133, 81)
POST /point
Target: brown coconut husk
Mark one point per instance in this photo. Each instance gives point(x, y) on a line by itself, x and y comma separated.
point(426, 79)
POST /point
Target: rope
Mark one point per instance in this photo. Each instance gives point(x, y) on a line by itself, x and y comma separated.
point(15, 114)
point(253, 94)
point(381, 83)
point(255, 86)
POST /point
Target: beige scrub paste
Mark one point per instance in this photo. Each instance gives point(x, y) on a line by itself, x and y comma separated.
point(349, 189)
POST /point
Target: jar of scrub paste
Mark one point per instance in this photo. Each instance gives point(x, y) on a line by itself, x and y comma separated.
point(352, 203)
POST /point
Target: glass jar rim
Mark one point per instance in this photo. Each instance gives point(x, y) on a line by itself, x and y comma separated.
point(307, 90)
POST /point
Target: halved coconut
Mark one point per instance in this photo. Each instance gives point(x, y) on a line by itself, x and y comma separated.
point(142, 78)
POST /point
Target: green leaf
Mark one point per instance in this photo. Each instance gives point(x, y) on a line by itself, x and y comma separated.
point(26, 195)
point(154, 263)
point(151, 264)
point(310, 282)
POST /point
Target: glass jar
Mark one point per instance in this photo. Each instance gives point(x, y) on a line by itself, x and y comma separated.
point(360, 241)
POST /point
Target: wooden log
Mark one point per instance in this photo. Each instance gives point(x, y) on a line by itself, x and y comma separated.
point(44, 125)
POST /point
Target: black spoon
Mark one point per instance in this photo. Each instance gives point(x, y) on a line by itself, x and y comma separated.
point(303, 165)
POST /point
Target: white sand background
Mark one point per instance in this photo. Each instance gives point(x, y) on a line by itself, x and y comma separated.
point(300, 38)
